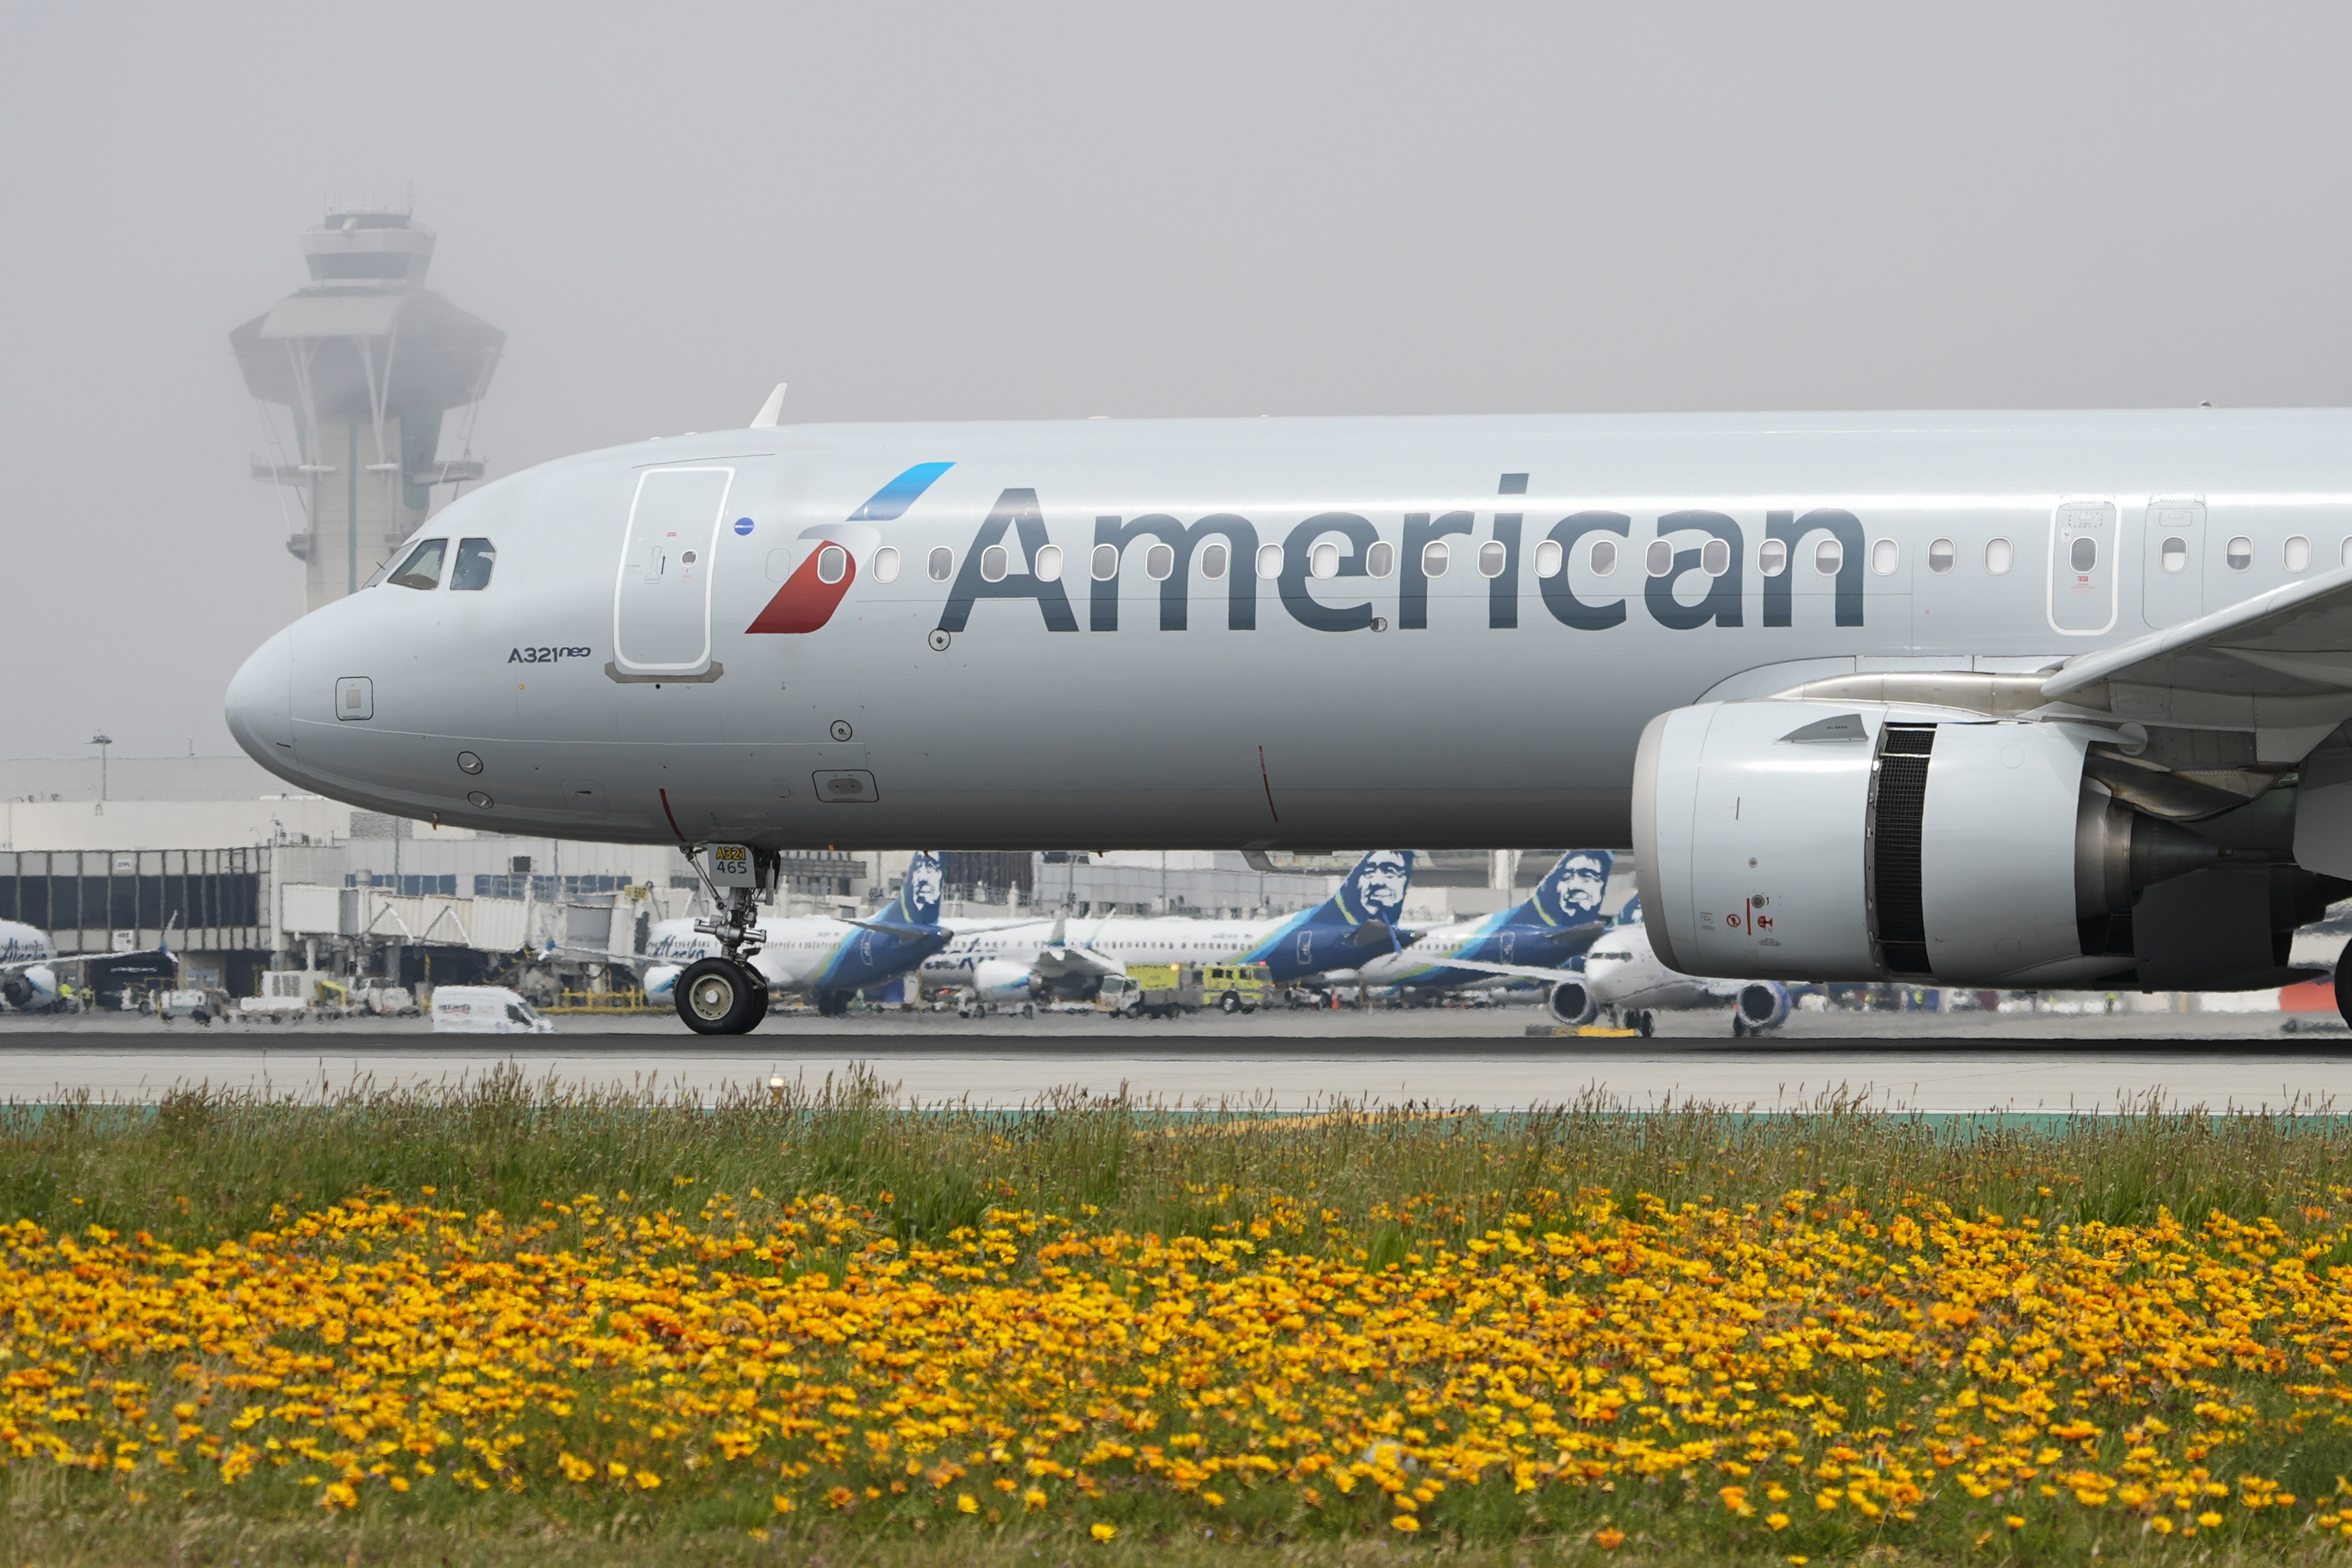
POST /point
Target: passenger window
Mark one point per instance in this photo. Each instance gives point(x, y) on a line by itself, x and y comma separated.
point(1662, 557)
point(1999, 556)
point(1105, 563)
point(1159, 563)
point(2083, 555)
point(1548, 556)
point(1605, 557)
point(1323, 561)
point(1713, 558)
point(1941, 556)
point(2240, 554)
point(1771, 558)
point(941, 564)
point(1886, 555)
point(1269, 561)
point(886, 564)
point(2298, 553)
point(475, 559)
point(423, 567)
point(1380, 561)
point(1828, 556)
point(1493, 558)
point(1213, 562)
point(2175, 557)
point(1436, 558)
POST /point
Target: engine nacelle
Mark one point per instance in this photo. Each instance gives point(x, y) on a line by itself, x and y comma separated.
point(1762, 1004)
point(1000, 980)
point(661, 984)
point(1572, 1002)
point(1809, 840)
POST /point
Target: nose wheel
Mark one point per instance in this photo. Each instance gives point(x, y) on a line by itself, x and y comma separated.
point(720, 997)
point(2344, 982)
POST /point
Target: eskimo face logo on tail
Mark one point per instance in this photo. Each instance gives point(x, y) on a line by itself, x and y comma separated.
point(1375, 889)
point(1571, 891)
point(814, 590)
point(918, 900)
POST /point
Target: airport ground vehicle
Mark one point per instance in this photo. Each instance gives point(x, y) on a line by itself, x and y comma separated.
point(1163, 990)
point(485, 1010)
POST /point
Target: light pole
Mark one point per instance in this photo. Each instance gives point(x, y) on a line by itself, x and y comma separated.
point(102, 741)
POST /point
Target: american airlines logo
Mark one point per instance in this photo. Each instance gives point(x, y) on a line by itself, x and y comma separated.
point(1689, 570)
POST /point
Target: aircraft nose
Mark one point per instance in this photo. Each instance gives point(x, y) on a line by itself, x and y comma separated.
point(260, 709)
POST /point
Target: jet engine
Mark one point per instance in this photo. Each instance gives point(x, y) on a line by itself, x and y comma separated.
point(1807, 840)
point(30, 990)
point(661, 984)
point(1762, 1004)
point(1000, 980)
point(1571, 1003)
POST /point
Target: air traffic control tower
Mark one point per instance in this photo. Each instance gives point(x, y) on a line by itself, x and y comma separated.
point(368, 361)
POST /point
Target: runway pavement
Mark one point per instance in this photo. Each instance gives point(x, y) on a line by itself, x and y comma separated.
point(2037, 1063)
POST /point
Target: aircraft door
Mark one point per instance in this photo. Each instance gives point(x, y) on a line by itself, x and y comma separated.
point(661, 595)
point(2172, 558)
point(2082, 567)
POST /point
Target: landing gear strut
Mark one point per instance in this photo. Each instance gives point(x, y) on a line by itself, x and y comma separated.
point(725, 993)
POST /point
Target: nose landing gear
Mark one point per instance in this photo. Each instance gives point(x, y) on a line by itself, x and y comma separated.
point(721, 996)
point(724, 994)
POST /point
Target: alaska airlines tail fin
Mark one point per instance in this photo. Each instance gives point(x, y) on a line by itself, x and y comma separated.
point(1373, 894)
point(1570, 892)
point(917, 903)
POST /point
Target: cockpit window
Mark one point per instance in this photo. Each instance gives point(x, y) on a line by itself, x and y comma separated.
point(423, 567)
point(475, 559)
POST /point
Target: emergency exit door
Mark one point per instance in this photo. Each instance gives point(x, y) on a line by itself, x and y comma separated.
point(2082, 566)
point(661, 598)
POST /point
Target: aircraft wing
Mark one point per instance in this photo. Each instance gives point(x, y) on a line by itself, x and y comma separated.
point(2279, 664)
point(11, 965)
point(1517, 971)
point(602, 956)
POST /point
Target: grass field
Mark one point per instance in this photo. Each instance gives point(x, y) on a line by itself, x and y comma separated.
point(488, 1324)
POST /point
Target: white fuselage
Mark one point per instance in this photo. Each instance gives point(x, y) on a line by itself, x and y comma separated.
point(1623, 969)
point(28, 981)
point(1110, 943)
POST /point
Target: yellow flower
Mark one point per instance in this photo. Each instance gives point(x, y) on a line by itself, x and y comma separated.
point(2014, 1521)
point(782, 1504)
point(967, 1503)
point(1033, 1498)
point(1609, 1537)
point(1214, 1500)
point(2160, 1525)
point(1405, 1522)
point(2208, 1519)
point(1102, 1532)
point(339, 1494)
point(1777, 1521)
point(647, 1480)
point(575, 1469)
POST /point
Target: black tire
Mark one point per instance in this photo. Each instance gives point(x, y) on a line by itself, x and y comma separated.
point(2344, 982)
point(1738, 1026)
point(1232, 1001)
point(760, 1013)
point(1642, 1022)
point(719, 996)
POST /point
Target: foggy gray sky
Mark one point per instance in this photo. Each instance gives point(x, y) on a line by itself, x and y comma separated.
point(960, 210)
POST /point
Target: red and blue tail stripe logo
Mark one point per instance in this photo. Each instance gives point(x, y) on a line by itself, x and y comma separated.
point(807, 600)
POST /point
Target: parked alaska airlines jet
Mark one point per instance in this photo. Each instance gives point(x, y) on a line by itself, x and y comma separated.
point(1023, 961)
point(30, 963)
point(1623, 973)
point(1980, 699)
point(826, 959)
point(1556, 923)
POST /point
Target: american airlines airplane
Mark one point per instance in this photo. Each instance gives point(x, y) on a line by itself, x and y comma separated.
point(1535, 939)
point(1983, 700)
point(1016, 963)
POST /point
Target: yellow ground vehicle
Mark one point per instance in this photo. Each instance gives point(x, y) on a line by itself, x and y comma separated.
point(1162, 990)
